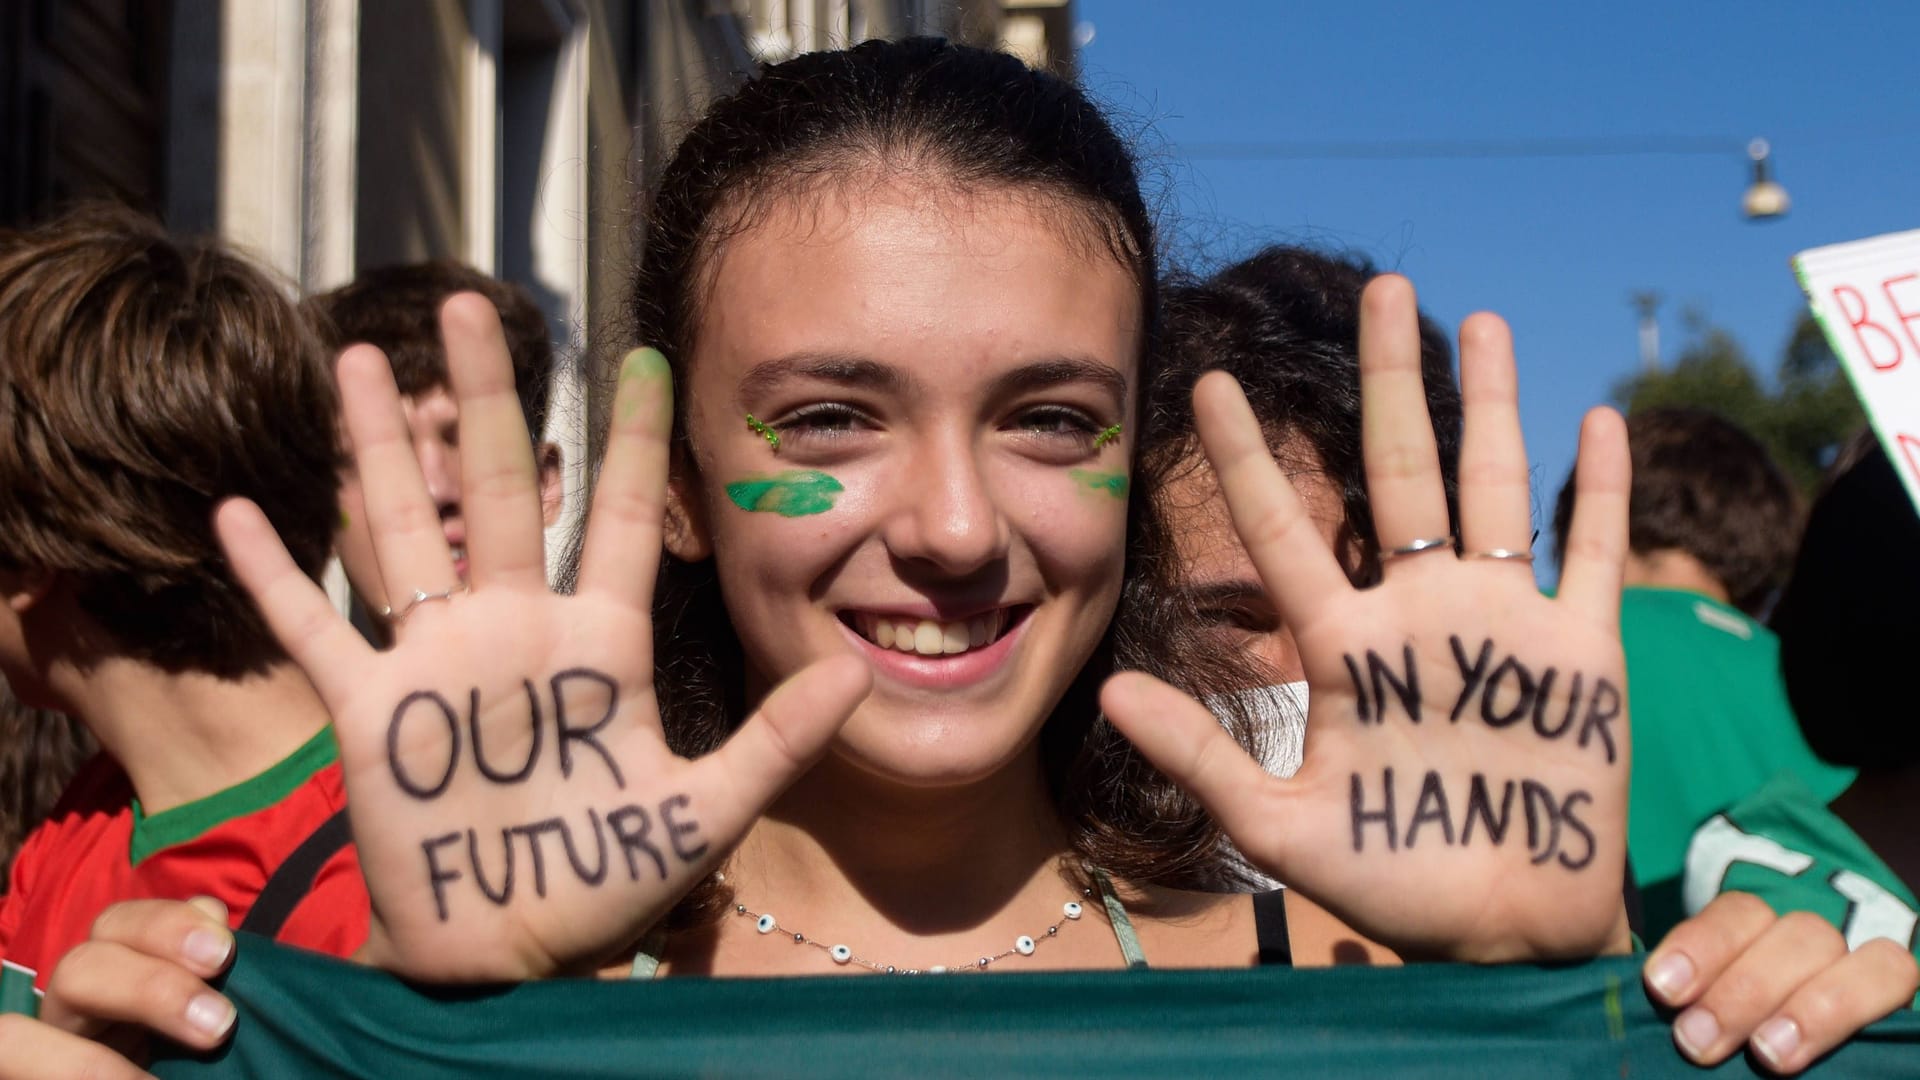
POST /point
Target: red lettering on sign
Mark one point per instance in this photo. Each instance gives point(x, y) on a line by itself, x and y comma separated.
point(1910, 450)
point(1860, 319)
point(1907, 318)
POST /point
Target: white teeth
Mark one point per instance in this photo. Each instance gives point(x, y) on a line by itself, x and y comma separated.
point(927, 637)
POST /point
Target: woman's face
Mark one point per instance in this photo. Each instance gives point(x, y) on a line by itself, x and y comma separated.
point(938, 368)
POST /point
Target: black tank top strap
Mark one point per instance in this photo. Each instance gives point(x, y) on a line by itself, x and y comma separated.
point(1270, 928)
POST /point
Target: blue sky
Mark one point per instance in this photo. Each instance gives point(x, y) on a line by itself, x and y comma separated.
point(1556, 245)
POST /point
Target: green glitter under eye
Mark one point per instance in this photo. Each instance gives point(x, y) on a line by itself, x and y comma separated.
point(1106, 436)
point(1114, 484)
point(760, 428)
point(789, 494)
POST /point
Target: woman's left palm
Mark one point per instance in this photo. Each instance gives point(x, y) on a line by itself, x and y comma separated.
point(1463, 791)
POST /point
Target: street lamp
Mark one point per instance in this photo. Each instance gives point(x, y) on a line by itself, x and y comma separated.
point(1764, 198)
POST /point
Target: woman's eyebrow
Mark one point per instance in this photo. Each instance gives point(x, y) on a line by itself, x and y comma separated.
point(825, 367)
point(1056, 371)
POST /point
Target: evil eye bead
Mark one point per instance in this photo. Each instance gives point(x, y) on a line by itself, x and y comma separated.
point(766, 924)
point(840, 953)
point(1023, 945)
point(1071, 909)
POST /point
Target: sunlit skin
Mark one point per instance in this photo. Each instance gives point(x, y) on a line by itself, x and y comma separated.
point(991, 348)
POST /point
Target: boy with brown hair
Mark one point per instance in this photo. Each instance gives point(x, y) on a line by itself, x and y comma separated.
point(144, 379)
point(396, 308)
point(1712, 524)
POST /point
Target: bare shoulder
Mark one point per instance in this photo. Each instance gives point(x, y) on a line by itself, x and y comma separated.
point(1320, 940)
point(1181, 929)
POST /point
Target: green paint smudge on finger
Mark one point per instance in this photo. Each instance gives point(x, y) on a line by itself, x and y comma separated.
point(1113, 483)
point(789, 494)
point(638, 366)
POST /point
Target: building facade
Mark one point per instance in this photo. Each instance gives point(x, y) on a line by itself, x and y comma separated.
point(332, 136)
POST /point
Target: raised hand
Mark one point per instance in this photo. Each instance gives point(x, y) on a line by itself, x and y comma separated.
point(516, 808)
point(143, 972)
point(1464, 788)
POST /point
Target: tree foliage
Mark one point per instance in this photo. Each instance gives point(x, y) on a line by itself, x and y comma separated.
point(1803, 418)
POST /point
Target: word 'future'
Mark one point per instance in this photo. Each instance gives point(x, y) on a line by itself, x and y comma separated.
point(1506, 693)
point(643, 837)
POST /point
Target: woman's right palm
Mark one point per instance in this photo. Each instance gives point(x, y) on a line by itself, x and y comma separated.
point(515, 806)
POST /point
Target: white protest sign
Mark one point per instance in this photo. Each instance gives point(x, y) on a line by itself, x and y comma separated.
point(1867, 297)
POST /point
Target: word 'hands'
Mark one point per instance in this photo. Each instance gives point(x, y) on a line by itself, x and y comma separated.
point(1463, 790)
point(516, 807)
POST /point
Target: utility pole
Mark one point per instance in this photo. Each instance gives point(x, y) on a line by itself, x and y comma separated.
point(1647, 303)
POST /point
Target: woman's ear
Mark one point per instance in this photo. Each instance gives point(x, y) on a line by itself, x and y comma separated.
point(686, 534)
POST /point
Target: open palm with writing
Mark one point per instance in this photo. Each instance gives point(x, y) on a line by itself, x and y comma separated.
point(516, 808)
point(1463, 792)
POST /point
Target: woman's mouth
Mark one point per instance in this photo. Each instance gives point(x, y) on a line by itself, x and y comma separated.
point(933, 637)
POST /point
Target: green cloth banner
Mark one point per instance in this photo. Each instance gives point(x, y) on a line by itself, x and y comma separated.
point(303, 1015)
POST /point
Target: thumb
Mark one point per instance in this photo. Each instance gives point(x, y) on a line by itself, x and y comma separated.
point(792, 727)
point(1190, 745)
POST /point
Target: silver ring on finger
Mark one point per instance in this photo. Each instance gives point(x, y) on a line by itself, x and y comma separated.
point(1500, 555)
point(1416, 547)
point(418, 597)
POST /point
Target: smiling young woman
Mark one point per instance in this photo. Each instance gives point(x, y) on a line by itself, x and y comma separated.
point(864, 713)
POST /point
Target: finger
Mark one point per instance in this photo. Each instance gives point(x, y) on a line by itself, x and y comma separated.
point(1284, 542)
point(327, 647)
point(1784, 957)
point(1596, 554)
point(1404, 485)
point(789, 730)
point(1496, 502)
point(100, 983)
point(499, 481)
point(408, 539)
point(1696, 952)
point(622, 549)
point(1865, 985)
point(1189, 744)
point(40, 1051)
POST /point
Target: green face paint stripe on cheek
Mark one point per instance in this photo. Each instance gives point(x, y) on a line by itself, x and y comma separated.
point(1106, 436)
point(789, 494)
point(1113, 483)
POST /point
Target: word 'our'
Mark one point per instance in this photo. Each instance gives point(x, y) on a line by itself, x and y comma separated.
point(428, 707)
point(1551, 820)
point(1507, 693)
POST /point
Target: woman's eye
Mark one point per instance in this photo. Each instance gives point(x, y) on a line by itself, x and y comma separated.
point(827, 420)
point(1057, 421)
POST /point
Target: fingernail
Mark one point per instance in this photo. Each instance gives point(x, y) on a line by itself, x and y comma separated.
point(211, 1015)
point(1671, 975)
point(208, 948)
point(1776, 1041)
point(1697, 1031)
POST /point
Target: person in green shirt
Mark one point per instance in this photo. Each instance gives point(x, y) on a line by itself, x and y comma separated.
point(1852, 860)
point(1711, 529)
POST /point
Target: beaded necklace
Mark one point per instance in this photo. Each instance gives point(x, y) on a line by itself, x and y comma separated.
point(1023, 945)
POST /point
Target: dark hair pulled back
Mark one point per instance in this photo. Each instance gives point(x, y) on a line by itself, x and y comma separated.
point(976, 121)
